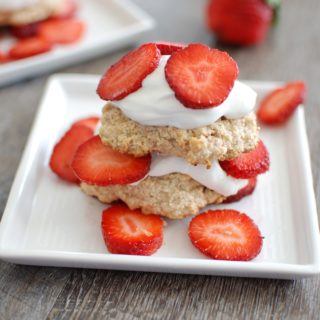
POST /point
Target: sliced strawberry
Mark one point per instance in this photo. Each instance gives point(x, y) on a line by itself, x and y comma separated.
point(280, 104)
point(201, 77)
point(167, 48)
point(245, 191)
point(126, 75)
point(29, 47)
point(64, 150)
point(97, 164)
point(225, 235)
point(25, 31)
point(67, 10)
point(128, 231)
point(4, 57)
point(248, 165)
point(90, 122)
point(62, 31)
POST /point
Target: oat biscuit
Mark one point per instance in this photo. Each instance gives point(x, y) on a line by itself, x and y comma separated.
point(223, 140)
point(30, 14)
point(175, 195)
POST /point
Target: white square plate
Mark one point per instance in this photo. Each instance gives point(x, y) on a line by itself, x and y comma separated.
point(110, 24)
point(50, 222)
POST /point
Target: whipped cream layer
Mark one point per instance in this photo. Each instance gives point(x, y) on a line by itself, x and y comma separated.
point(155, 104)
point(8, 5)
point(214, 178)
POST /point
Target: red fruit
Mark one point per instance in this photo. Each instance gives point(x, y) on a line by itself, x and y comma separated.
point(279, 105)
point(25, 31)
point(97, 164)
point(248, 165)
point(90, 122)
point(245, 191)
point(62, 31)
point(29, 47)
point(167, 48)
point(128, 231)
point(225, 235)
point(4, 57)
point(241, 22)
point(126, 75)
point(67, 10)
point(64, 151)
point(201, 77)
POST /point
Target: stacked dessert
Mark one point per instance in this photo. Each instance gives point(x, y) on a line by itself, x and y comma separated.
point(23, 12)
point(32, 27)
point(178, 132)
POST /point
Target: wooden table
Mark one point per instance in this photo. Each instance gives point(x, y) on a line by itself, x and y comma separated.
point(292, 51)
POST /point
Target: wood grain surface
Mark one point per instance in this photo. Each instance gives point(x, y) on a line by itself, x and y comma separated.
point(292, 51)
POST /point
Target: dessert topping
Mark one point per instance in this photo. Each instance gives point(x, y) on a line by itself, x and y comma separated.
point(249, 164)
point(97, 164)
point(201, 77)
point(126, 76)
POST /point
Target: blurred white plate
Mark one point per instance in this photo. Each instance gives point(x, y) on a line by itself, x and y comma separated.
point(50, 222)
point(110, 25)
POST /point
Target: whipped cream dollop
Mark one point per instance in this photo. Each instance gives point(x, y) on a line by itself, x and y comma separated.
point(155, 104)
point(16, 4)
point(214, 178)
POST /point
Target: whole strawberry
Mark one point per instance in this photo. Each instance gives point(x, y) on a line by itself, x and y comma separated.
point(241, 22)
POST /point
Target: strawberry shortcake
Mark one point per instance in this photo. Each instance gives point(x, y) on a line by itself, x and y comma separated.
point(178, 132)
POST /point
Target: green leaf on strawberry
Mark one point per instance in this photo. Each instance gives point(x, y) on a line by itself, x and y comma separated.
point(276, 7)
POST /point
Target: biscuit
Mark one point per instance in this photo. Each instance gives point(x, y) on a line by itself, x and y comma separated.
point(174, 196)
point(223, 140)
point(30, 14)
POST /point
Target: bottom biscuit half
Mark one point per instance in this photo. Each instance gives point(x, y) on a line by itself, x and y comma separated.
point(174, 196)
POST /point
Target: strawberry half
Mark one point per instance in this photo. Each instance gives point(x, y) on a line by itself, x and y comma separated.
point(90, 122)
point(241, 22)
point(277, 107)
point(201, 77)
point(128, 231)
point(64, 151)
point(245, 191)
point(98, 164)
point(29, 47)
point(248, 165)
point(126, 75)
point(225, 235)
point(62, 31)
point(167, 48)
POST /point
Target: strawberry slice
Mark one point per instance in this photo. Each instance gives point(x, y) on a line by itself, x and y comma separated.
point(29, 47)
point(25, 31)
point(280, 104)
point(4, 57)
point(245, 191)
point(67, 10)
point(248, 165)
point(64, 150)
point(225, 235)
point(167, 48)
point(201, 77)
point(126, 75)
point(97, 164)
point(62, 31)
point(128, 231)
point(90, 122)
